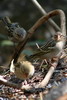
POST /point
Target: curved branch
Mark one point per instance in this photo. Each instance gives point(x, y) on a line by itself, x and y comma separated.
point(43, 19)
point(31, 31)
point(51, 22)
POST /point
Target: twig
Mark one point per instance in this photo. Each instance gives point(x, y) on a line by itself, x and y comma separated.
point(52, 23)
point(10, 84)
point(48, 75)
point(41, 95)
point(19, 48)
point(43, 19)
point(7, 83)
point(24, 88)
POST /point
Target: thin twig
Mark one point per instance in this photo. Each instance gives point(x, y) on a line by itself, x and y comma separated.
point(51, 22)
point(48, 75)
point(24, 88)
point(19, 48)
point(7, 83)
point(10, 84)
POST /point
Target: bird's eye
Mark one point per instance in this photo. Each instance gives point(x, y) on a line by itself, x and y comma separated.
point(18, 35)
point(11, 28)
point(55, 36)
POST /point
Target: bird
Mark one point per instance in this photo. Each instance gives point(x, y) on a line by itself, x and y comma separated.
point(23, 70)
point(15, 32)
point(18, 34)
point(50, 50)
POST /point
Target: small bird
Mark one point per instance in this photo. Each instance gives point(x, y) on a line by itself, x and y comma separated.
point(48, 52)
point(23, 70)
point(15, 32)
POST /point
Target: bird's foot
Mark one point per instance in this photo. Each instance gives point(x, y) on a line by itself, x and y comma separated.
point(51, 62)
point(54, 59)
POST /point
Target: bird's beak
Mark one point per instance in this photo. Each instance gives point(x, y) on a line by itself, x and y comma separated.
point(64, 36)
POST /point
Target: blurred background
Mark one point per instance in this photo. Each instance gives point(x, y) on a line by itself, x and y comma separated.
point(26, 14)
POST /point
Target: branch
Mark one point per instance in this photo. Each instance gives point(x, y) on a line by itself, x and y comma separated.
point(43, 19)
point(13, 85)
point(48, 75)
point(51, 22)
point(7, 83)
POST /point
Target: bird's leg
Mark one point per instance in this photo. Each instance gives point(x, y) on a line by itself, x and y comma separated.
point(54, 59)
point(51, 61)
point(44, 60)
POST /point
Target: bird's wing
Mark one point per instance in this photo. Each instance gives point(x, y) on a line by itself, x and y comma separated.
point(50, 43)
point(47, 48)
point(41, 53)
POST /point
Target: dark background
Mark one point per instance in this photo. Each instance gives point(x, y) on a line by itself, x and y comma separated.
point(25, 12)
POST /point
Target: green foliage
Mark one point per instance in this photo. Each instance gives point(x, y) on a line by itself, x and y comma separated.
point(6, 43)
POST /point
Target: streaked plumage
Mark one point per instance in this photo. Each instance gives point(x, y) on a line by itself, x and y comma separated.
point(50, 50)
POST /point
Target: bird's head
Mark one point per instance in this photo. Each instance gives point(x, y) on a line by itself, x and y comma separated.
point(59, 37)
point(20, 33)
point(27, 68)
point(23, 70)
